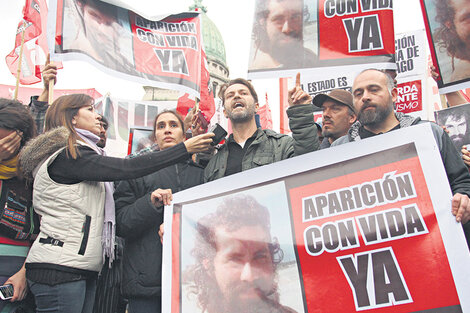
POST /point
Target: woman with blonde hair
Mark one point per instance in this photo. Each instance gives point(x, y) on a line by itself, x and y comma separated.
point(73, 194)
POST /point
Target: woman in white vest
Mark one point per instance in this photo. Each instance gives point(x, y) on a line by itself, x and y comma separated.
point(73, 194)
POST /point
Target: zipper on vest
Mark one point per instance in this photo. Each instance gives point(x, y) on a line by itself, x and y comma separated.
point(86, 233)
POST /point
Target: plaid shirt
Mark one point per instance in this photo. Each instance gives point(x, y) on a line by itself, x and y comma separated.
point(38, 111)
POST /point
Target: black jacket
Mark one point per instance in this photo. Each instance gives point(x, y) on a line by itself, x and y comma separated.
point(138, 220)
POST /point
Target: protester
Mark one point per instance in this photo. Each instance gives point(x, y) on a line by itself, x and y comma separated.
point(39, 104)
point(103, 132)
point(76, 207)
point(236, 259)
point(278, 36)
point(374, 94)
point(338, 114)
point(248, 146)
point(139, 212)
point(17, 228)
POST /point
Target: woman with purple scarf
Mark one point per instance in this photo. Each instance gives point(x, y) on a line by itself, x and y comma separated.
point(73, 194)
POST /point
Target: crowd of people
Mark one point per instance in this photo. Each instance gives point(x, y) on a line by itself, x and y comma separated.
point(65, 202)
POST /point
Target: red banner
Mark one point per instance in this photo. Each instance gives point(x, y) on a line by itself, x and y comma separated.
point(360, 28)
point(362, 227)
point(410, 97)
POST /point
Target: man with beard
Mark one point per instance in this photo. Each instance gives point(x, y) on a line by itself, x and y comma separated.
point(456, 125)
point(278, 36)
point(93, 27)
point(374, 95)
point(248, 146)
point(338, 114)
point(236, 260)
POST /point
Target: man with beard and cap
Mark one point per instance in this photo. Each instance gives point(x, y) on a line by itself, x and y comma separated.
point(338, 114)
point(374, 94)
point(278, 36)
point(248, 146)
point(236, 260)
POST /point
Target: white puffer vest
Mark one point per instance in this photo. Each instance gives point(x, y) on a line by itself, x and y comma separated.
point(71, 221)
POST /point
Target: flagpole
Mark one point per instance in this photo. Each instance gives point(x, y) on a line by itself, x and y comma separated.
point(51, 91)
point(20, 57)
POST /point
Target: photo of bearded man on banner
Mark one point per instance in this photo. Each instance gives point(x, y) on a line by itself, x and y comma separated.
point(449, 37)
point(99, 30)
point(279, 35)
point(237, 254)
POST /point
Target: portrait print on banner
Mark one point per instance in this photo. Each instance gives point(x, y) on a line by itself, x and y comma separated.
point(456, 121)
point(448, 33)
point(351, 221)
point(302, 35)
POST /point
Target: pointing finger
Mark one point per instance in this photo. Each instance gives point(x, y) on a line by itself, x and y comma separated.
point(297, 80)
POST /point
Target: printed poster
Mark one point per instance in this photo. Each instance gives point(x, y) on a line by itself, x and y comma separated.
point(308, 35)
point(164, 53)
point(365, 226)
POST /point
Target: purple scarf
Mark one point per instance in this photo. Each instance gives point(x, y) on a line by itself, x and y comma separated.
point(109, 227)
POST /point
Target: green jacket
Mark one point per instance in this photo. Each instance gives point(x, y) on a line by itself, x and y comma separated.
point(269, 146)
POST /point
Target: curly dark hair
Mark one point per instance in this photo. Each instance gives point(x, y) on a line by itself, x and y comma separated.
point(15, 116)
point(447, 37)
point(232, 214)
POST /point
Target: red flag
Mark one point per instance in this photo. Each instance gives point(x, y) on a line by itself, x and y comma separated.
point(35, 43)
point(207, 104)
point(185, 103)
point(265, 117)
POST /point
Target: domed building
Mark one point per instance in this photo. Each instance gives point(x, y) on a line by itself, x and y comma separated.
point(215, 53)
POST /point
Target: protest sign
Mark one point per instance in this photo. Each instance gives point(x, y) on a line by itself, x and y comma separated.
point(455, 120)
point(410, 53)
point(409, 97)
point(448, 46)
point(362, 226)
point(307, 35)
point(165, 53)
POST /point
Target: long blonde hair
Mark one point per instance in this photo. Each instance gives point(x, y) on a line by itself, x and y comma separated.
point(61, 113)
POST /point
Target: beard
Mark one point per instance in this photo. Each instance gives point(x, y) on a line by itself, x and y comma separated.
point(244, 116)
point(283, 53)
point(374, 117)
point(266, 302)
point(458, 140)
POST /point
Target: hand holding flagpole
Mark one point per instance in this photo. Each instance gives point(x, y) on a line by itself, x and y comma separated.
point(49, 78)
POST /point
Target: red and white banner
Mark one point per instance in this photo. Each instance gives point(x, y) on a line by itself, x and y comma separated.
point(307, 35)
point(360, 227)
point(164, 53)
point(25, 93)
point(409, 97)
